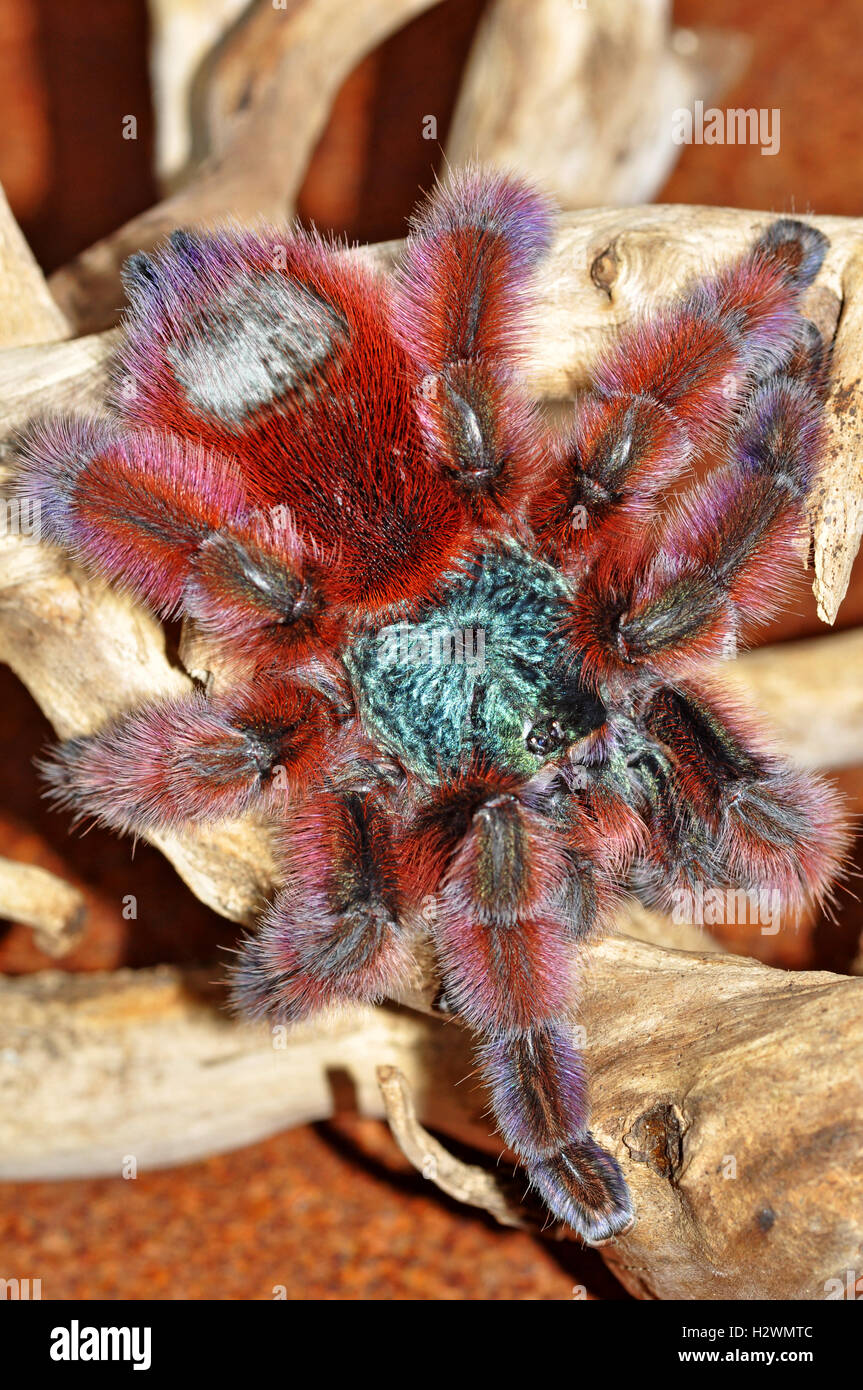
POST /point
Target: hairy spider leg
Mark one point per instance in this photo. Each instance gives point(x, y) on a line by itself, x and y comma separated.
point(334, 933)
point(666, 394)
point(172, 522)
point(195, 759)
point(505, 940)
point(723, 812)
point(459, 311)
point(721, 556)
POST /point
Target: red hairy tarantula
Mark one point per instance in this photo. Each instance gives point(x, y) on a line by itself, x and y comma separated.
point(465, 651)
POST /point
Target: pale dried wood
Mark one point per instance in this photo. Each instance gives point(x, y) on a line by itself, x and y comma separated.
point(52, 907)
point(581, 96)
point(28, 313)
point(837, 503)
point(248, 99)
point(257, 173)
point(730, 1092)
point(52, 378)
point(183, 35)
point(811, 695)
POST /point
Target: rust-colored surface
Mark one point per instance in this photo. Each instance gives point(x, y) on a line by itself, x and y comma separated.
point(331, 1212)
point(806, 63)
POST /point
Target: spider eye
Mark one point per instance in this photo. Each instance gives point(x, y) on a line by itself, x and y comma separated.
point(544, 737)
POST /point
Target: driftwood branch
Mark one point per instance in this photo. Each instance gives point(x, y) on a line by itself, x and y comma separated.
point(28, 313)
point(53, 908)
point(185, 37)
point(731, 1093)
point(837, 504)
point(581, 96)
point(260, 152)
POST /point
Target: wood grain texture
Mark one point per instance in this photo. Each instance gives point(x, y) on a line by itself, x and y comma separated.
point(731, 1093)
point(544, 93)
point(255, 169)
point(837, 502)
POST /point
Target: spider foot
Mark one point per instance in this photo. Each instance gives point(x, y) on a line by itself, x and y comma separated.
point(334, 934)
point(584, 1187)
point(192, 759)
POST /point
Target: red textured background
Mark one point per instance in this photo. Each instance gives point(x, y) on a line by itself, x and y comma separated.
point(330, 1211)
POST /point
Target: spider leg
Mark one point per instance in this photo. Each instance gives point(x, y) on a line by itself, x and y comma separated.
point(668, 391)
point(262, 591)
point(604, 830)
point(173, 523)
point(194, 759)
point(459, 311)
point(277, 351)
point(506, 948)
point(133, 507)
point(721, 557)
point(333, 934)
point(723, 812)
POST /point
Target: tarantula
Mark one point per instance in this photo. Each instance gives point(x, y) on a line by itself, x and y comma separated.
point(463, 650)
